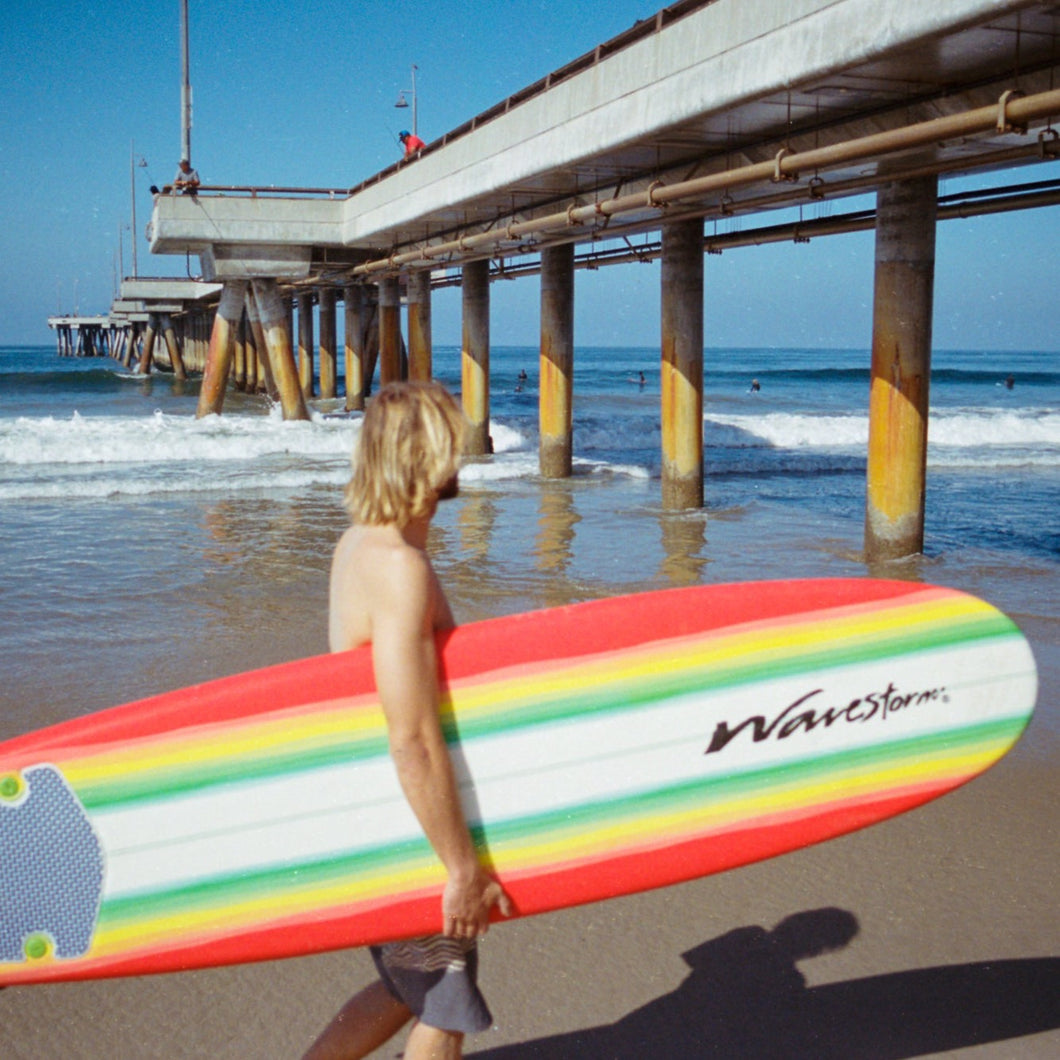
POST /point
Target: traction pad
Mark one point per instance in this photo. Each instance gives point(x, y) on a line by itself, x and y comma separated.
point(52, 867)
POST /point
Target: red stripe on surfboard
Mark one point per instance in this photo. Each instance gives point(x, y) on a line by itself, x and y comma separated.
point(571, 885)
point(611, 624)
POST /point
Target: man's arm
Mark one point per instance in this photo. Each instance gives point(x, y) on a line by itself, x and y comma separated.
point(403, 653)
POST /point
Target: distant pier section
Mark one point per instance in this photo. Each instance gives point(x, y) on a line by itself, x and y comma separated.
point(178, 311)
point(83, 336)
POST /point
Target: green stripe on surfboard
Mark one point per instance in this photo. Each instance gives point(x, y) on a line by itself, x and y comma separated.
point(518, 712)
point(508, 837)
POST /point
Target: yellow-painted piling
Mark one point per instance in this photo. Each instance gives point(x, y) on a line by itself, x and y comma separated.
point(130, 345)
point(277, 340)
point(239, 352)
point(176, 360)
point(555, 414)
point(222, 344)
point(250, 348)
point(419, 300)
point(682, 364)
point(266, 379)
point(475, 355)
point(353, 304)
point(305, 343)
point(147, 354)
point(328, 342)
point(906, 214)
point(389, 330)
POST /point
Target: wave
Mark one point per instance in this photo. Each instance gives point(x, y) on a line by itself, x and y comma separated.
point(970, 429)
point(163, 453)
point(163, 438)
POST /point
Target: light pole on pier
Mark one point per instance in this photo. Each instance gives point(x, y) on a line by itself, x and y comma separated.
point(403, 102)
point(185, 86)
point(132, 196)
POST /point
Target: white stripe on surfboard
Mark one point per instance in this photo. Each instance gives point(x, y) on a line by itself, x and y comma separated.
point(339, 810)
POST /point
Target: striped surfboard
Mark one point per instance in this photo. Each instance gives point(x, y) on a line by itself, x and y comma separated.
point(602, 748)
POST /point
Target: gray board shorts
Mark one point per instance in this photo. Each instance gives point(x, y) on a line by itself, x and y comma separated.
point(436, 977)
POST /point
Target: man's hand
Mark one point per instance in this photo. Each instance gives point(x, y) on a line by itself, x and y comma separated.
point(466, 905)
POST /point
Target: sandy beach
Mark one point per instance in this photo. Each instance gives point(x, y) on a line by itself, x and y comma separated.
point(940, 932)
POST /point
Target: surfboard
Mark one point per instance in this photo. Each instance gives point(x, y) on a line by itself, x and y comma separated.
point(602, 749)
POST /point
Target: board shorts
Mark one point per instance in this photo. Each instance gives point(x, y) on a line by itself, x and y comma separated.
point(437, 978)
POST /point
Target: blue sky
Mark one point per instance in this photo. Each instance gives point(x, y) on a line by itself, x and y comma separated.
point(302, 94)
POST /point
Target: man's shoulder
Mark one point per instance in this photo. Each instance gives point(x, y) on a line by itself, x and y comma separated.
point(387, 558)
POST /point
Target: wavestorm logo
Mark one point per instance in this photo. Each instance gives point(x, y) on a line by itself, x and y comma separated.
point(798, 717)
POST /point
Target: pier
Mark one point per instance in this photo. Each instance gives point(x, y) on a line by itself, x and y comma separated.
point(708, 111)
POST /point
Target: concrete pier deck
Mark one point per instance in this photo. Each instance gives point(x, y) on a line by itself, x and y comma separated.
point(737, 95)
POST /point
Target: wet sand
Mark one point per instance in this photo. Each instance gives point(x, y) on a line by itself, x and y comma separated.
point(940, 933)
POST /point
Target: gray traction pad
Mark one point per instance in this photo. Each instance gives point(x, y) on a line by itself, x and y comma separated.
point(52, 868)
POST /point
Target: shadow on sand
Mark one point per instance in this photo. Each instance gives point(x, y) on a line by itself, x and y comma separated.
point(746, 998)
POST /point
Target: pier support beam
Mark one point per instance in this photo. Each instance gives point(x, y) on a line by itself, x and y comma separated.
point(389, 330)
point(278, 344)
point(475, 355)
point(147, 355)
point(130, 345)
point(169, 333)
point(328, 342)
point(305, 343)
point(682, 364)
point(248, 380)
point(353, 304)
point(555, 412)
point(906, 215)
point(266, 379)
point(238, 374)
point(420, 351)
point(222, 345)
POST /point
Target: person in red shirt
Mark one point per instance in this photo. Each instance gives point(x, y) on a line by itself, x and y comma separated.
point(411, 141)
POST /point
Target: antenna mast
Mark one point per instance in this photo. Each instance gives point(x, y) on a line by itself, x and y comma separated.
point(185, 86)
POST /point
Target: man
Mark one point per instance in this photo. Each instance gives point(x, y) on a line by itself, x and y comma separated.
point(187, 179)
point(384, 591)
point(411, 141)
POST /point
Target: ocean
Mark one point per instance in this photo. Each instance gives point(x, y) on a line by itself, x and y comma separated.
point(145, 550)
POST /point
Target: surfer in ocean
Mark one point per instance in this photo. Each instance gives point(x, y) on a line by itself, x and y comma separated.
point(384, 591)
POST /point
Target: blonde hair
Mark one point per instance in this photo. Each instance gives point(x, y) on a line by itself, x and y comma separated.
point(409, 448)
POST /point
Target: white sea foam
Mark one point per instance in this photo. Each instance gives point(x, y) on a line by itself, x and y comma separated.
point(162, 438)
point(1034, 432)
point(100, 456)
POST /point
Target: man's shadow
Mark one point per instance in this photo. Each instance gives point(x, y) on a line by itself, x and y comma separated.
point(745, 998)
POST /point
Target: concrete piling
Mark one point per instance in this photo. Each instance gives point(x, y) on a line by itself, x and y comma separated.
point(277, 340)
point(555, 453)
point(305, 343)
point(169, 334)
point(266, 379)
point(250, 352)
point(389, 330)
point(901, 368)
point(239, 352)
point(148, 352)
point(419, 302)
point(475, 355)
point(328, 342)
point(682, 364)
point(353, 306)
point(222, 345)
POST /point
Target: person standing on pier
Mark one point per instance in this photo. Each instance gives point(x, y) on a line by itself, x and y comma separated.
point(384, 591)
point(187, 179)
point(411, 141)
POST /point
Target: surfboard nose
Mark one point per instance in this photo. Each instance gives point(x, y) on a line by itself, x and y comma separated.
point(52, 868)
